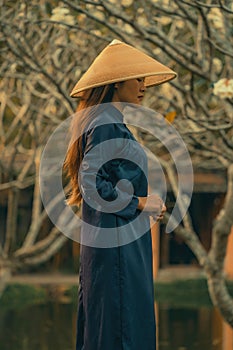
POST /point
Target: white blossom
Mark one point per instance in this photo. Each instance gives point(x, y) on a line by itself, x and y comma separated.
point(217, 63)
point(224, 88)
point(77, 73)
point(99, 15)
point(166, 89)
point(128, 28)
point(62, 14)
point(162, 2)
point(157, 51)
point(127, 3)
point(13, 67)
point(216, 17)
point(142, 21)
point(96, 32)
point(164, 20)
point(60, 11)
point(81, 18)
point(21, 10)
point(140, 10)
point(180, 23)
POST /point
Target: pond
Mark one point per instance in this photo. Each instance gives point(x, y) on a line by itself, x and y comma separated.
point(52, 326)
point(189, 328)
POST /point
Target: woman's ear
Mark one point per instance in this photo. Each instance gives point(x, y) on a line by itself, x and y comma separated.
point(116, 85)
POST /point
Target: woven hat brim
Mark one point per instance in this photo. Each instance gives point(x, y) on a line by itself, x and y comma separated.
point(121, 62)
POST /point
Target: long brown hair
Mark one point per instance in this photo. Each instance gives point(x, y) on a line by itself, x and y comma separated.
point(90, 98)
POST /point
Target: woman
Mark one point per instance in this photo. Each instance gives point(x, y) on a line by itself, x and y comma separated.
point(116, 297)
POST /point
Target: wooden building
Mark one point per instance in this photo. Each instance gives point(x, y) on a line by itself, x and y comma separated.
point(207, 200)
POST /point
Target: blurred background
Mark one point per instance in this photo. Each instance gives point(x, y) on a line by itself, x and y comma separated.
point(45, 48)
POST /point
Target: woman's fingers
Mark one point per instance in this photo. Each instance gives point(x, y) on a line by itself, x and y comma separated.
point(153, 204)
point(160, 214)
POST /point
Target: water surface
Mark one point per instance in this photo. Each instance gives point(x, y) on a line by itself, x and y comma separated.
point(52, 326)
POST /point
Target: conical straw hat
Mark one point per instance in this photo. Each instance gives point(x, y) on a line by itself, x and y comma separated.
point(119, 62)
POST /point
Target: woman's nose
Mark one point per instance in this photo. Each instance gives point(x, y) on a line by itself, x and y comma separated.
point(143, 87)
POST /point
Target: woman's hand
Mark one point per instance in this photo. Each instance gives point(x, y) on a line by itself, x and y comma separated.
point(152, 204)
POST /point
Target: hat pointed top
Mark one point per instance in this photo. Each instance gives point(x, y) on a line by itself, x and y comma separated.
point(120, 62)
point(115, 42)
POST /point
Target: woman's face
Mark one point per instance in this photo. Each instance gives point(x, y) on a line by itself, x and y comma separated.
point(129, 91)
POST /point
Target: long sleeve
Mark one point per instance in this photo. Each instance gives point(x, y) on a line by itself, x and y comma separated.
point(107, 173)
